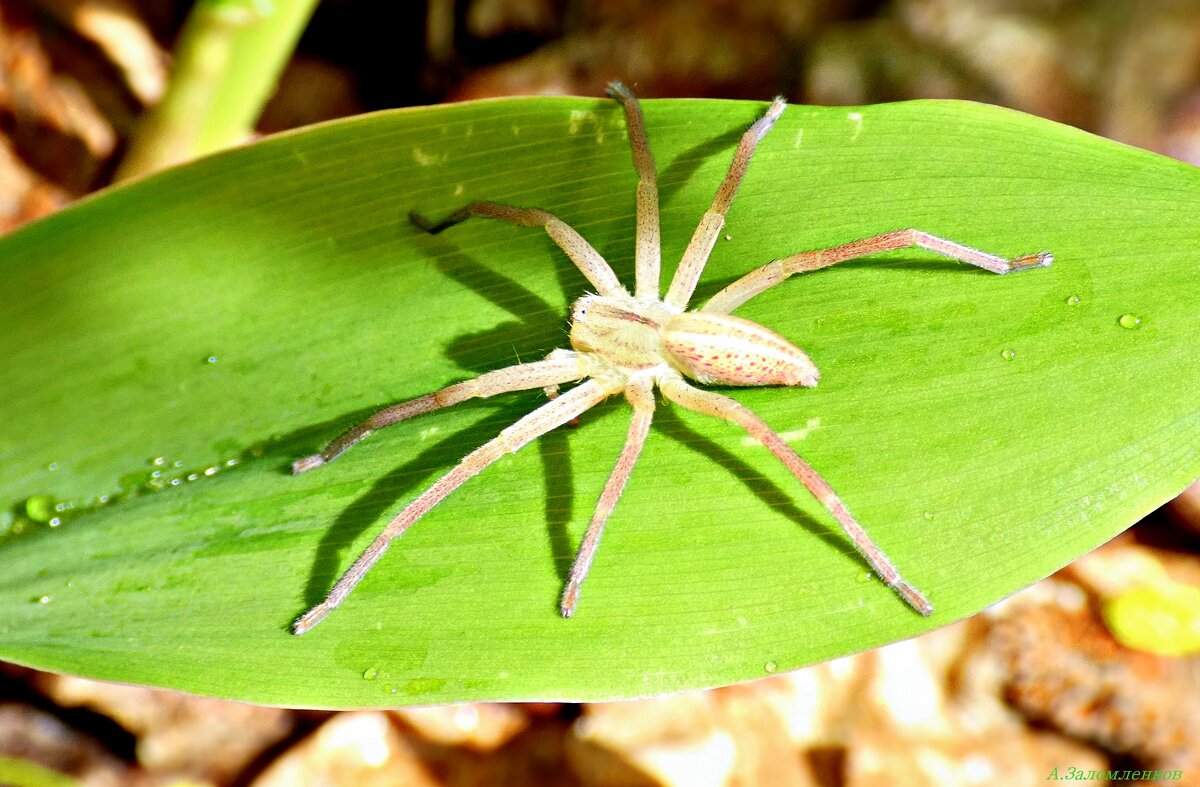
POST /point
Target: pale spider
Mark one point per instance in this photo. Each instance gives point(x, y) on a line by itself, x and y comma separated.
point(632, 343)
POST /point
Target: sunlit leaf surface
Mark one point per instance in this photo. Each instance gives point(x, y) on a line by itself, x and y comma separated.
point(198, 330)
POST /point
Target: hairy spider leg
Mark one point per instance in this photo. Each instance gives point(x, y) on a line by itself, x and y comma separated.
point(728, 409)
point(549, 416)
point(563, 366)
point(695, 256)
point(583, 254)
point(648, 250)
point(640, 394)
point(777, 271)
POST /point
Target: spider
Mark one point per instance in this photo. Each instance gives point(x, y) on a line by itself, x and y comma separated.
point(630, 344)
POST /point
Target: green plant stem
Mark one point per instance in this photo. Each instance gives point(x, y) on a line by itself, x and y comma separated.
point(227, 63)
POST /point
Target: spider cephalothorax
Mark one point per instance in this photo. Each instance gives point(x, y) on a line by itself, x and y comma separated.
point(633, 343)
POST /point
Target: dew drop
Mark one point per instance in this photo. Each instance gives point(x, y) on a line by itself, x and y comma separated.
point(863, 576)
point(770, 666)
point(52, 466)
point(371, 673)
point(44, 599)
point(1074, 300)
point(1009, 354)
point(211, 359)
point(55, 522)
point(1129, 321)
point(158, 461)
point(40, 508)
point(928, 515)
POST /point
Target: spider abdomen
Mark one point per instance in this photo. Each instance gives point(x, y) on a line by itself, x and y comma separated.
point(721, 348)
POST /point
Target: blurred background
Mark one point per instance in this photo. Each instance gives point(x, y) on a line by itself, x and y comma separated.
point(1095, 668)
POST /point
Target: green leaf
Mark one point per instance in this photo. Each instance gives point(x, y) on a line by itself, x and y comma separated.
point(985, 429)
point(22, 773)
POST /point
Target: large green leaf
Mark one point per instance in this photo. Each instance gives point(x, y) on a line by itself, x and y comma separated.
point(247, 307)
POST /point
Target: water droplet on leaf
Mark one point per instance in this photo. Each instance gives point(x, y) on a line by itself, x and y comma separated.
point(40, 508)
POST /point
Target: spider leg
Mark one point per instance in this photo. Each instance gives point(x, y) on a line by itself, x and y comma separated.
point(542, 420)
point(700, 246)
point(582, 253)
point(723, 407)
point(648, 254)
point(641, 396)
point(563, 366)
point(777, 271)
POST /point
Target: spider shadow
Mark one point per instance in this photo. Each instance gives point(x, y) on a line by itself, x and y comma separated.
point(538, 329)
point(559, 473)
point(681, 169)
point(385, 492)
point(530, 308)
point(539, 326)
point(668, 423)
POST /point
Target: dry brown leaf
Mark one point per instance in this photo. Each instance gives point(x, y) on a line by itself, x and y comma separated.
point(480, 726)
point(178, 733)
point(359, 748)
